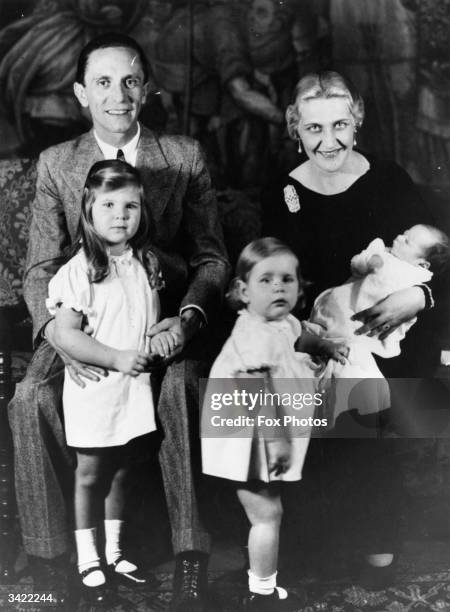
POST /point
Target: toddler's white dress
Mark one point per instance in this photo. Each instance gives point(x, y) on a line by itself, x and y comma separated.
point(255, 344)
point(120, 309)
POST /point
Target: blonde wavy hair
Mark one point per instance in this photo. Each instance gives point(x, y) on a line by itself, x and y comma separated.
point(322, 85)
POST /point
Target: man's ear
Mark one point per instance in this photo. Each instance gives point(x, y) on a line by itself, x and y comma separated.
point(80, 93)
point(423, 263)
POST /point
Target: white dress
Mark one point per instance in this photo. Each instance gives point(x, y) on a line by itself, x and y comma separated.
point(331, 316)
point(120, 309)
point(254, 344)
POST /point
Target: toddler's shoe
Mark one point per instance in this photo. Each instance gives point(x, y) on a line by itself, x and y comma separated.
point(132, 578)
point(279, 601)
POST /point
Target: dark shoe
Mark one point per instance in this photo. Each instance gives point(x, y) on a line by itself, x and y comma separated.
point(50, 578)
point(272, 603)
point(190, 583)
point(374, 578)
point(96, 595)
point(134, 579)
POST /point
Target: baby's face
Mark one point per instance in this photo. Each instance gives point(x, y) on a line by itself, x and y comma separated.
point(413, 244)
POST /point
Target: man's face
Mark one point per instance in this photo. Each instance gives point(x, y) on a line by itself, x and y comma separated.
point(113, 91)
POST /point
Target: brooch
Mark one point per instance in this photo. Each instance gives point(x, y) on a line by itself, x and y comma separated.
point(291, 199)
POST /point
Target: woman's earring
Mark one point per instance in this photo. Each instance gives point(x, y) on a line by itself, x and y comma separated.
point(299, 145)
point(354, 137)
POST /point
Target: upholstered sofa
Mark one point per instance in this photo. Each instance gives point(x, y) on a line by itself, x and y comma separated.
point(17, 186)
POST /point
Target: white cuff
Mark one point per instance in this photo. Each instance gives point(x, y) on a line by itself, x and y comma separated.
point(200, 309)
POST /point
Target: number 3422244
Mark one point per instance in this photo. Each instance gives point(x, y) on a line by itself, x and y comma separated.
point(30, 597)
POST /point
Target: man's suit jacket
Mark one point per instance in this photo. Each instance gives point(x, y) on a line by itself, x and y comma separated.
point(185, 232)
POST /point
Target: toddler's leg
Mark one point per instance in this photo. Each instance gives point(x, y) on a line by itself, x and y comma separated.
point(264, 511)
point(262, 505)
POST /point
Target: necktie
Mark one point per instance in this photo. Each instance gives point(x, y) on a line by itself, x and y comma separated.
point(120, 155)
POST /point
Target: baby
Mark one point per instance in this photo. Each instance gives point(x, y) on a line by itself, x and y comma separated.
point(376, 272)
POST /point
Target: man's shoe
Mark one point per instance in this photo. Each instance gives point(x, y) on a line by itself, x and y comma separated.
point(279, 601)
point(50, 578)
point(190, 583)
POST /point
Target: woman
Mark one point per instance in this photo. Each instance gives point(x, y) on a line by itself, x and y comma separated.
point(334, 203)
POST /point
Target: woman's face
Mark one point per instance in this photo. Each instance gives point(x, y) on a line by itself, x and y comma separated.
point(326, 129)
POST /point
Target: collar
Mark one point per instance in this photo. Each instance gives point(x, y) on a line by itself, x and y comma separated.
point(129, 149)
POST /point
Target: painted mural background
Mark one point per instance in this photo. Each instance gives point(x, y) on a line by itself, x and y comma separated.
point(224, 70)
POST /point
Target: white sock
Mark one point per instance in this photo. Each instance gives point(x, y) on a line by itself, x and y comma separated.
point(88, 556)
point(262, 586)
point(380, 560)
point(113, 550)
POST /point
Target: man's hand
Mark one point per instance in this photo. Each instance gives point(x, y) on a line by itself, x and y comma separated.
point(390, 312)
point(171, 328)
point(131, 362)
point(278, 455)
point(180, 331)
point(77, 370)
point(164, 344)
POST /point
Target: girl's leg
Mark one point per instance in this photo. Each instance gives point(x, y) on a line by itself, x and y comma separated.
point(114, 509)
point(264, 511)
point(89, 495)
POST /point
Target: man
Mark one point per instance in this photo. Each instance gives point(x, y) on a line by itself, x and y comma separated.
point(112, 84)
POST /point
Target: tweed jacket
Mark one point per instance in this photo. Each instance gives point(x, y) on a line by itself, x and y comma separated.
point(185, 232)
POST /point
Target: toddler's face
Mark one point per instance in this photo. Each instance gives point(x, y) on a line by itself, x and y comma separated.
point(271, 290)
point(413, 244)
point(116, 216)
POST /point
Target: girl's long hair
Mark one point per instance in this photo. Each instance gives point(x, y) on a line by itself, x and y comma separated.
point(105, 176)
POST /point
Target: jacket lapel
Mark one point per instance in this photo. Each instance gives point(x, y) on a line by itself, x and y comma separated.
point(85, 155)
point(159, 173)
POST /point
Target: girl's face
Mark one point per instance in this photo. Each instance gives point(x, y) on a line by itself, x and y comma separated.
point(326, 129)
point(271, 290)
point(116, 216)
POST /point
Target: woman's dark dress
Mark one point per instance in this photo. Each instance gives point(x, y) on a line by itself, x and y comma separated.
point(329, 230)
point(361, 476)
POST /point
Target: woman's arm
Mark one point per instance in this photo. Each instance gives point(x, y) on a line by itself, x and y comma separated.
point(77, 344)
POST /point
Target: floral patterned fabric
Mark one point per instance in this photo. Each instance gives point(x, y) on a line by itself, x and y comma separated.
point(17, 187)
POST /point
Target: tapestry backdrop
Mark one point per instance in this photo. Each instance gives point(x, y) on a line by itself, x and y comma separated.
point(202, 51)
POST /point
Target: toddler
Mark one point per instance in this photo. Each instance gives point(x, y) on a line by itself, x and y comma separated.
point(265, 341)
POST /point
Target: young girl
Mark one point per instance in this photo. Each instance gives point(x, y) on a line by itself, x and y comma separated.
point(264, 339)
point(114, 286)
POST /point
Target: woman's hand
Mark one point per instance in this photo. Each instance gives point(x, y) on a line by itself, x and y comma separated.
point(390, 312)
